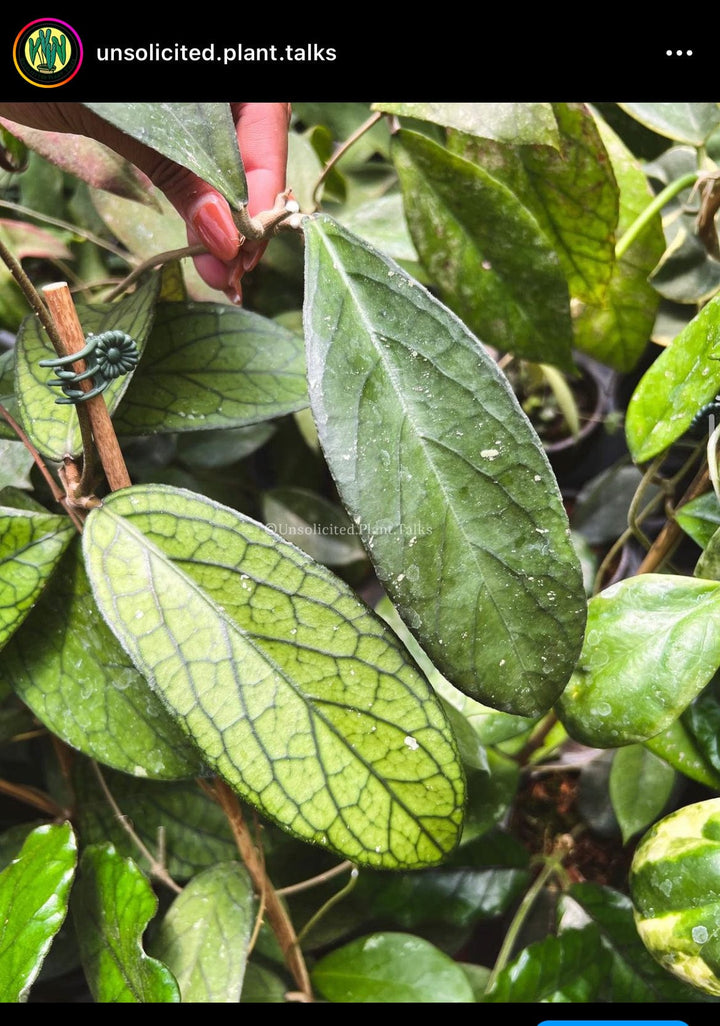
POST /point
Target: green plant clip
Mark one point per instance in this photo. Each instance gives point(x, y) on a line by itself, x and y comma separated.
point(108, 356)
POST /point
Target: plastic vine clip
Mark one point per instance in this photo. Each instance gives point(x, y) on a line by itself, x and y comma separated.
point(107, 356)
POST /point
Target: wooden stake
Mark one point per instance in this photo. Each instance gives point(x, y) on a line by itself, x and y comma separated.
point(64, 315)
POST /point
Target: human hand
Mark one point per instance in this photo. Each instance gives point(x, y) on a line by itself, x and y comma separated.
point(262, 133)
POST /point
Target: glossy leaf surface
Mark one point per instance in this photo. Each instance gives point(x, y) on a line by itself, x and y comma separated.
point(34, 892)
point(443, 475)
point(517, 123)
point(647, 654)
point(294, 692)
point(640, 786)
point(112, 905)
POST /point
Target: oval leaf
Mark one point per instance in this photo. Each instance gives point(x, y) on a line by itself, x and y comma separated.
point(51, 426)
point(34, 892)
point(444, 476)
point(486, 251)
point(205, 935)
point(691, 123)
point(293, 690)
point(675, 387)
point(570, 968)
point(198, 136)
point(515, 123)
point(648, 652)
point(31, 545)
point(210, 365)
point(640, 786)
point(390, 967)
point(68, 668)
point(112, 904)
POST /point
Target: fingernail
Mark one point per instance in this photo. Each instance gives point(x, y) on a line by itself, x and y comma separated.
point(210, 221)
point(234, 295)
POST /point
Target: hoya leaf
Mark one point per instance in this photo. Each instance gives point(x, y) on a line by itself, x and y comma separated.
point(112, 904)
point(15, 464)
point(87, 159)
point(684, 752)
point(570, 190)
point(68, 668)
point(205, 934)
point(615, 330)
point(210, 365)
point(443, 475)
point(489, 256)
point(296, 693)
point(195, 830)
point(315, 525)
point(568, 968)
point(386, 968)
point(34, 892)
point(52, 426)
point(640, 786)
point(31, 545)
point(514, 123)
point(634, 976)
point(7, 397)
point(700, 518)
point(708, 564)
point(199, 136)
point(691, 123)
point(675, 387)
point(648, 652)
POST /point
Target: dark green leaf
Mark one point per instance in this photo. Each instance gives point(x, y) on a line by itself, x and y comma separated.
point(647, 654)
point(679, 747)
point(204, 936)
point(568, 968)
point(701, 720)
point(514, 123)
point(192, 827)
point(34, 891)
point(314, 524)
point(112, 904)
point(210, 365)
point(52, 426)
point(198, 136)
point(31, 546)
point(634, 976)
point(445, 478)
point(262, 986)
point(68, 668)
point(640, 786)
point(700, 518)
point(708, 565)
point(677, 385)
point(388, 968)
point(271, 664)
point(224, 446)
point(489, 256)
point(7, 389)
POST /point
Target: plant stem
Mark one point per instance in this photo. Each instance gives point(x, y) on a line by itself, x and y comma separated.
point(342, 150)
point(154, 261)
point(278, 917)
point(32, 796)
point(651, 209)
point(550, 867)
point(672, 534)
point(315, 881)
point(330, 903)
point(62, 309)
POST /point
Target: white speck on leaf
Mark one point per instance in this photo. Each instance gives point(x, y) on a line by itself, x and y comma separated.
point(411, 743)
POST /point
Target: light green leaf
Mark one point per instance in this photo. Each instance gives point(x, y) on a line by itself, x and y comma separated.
point(205, 934)
point(680, 749)
point(294, 692)
point(34, 891)
point(210, 365)
point(675, 387)
point(514, 123)
point(615, 331)
point(708, 565)
point(31, 545)
point(570, 190)
point(691, 123)
point(444, 476)
point(52, 426)
point(7, 389)
point(487, 253)
point(112, 904)
point(262, 986)
point(68, 668)
point(198, 136)
point(648, 652)
point(381, 222)
point(640, 786)
point(15, 464)
point(194, 830)
point(387, 968)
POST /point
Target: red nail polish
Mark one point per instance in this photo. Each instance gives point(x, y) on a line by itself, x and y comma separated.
point(210, 222)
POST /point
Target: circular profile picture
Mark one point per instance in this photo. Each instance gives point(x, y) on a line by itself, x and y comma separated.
point(48, 52)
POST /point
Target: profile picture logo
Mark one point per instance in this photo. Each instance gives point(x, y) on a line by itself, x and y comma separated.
point(48, 53)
